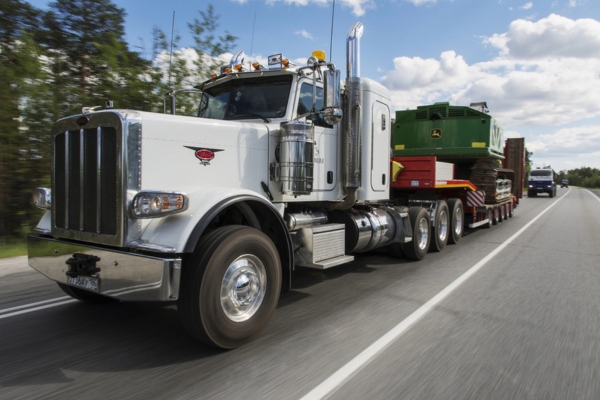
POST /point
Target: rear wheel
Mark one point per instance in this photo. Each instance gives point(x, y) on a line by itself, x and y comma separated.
point(510, 210)
point(490, 217)
point(230, 287)
point(421, 225)
point(501, 213)
point(85, 296)
point(441, 228)
point(495, 216)
point(457, 220)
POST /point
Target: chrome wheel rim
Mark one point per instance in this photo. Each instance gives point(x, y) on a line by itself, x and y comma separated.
point(458, 223)
point(243, 288)
point(422, 233)
point(443, 226)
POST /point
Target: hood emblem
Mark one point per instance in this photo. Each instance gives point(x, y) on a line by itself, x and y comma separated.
point(204, 154)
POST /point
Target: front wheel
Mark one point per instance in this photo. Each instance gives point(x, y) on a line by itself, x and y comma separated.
point(230, 287)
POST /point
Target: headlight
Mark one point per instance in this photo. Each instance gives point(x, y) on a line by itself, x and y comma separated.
point(158, 204)
point(42, 198)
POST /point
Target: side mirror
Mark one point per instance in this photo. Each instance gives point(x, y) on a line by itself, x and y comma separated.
point(332, 112)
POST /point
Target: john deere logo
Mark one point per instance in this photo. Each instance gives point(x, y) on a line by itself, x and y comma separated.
point(436, 133)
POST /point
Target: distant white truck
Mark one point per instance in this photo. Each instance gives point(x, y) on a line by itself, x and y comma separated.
point(541, 180)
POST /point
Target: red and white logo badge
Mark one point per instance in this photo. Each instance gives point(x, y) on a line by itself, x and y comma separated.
point(203, 154)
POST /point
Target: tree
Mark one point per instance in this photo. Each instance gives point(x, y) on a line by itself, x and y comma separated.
point(186, 68)
point(19, 65)
point(52, 63)
point(208, 47)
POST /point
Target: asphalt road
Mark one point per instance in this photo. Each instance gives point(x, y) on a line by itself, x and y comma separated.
point(510, 312)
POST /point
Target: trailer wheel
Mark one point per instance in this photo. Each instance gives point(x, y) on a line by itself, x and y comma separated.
point(495, 218)
point(510, 210)
point(440, 230)
point(490, 217)
point(85, 296)
point(421, 225)
point(230, 287)
point(457, 220)
point(501, 213)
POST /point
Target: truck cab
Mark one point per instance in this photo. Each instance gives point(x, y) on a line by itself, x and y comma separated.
point(541, 180)
point(280, 167)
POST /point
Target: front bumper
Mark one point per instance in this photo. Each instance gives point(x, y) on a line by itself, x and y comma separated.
point(124, 276)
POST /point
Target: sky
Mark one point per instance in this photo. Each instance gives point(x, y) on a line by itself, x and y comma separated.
point(535, 63)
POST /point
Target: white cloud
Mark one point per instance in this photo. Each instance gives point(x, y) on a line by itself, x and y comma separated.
point(544, 80)
point(527, 84)
point(554, 36)
point(304, 33)
point(526, 6)
point(420, 2)
point(359, 7)
point(568, 148)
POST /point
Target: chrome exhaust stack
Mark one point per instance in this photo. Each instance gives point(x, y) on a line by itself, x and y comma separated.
point(353, 109)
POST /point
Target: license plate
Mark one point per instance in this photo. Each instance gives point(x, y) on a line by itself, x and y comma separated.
point(86, 282)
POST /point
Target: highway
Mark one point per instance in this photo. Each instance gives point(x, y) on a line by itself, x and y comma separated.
point(511, 312)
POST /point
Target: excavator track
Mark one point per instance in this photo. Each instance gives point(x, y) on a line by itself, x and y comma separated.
point(485, 176)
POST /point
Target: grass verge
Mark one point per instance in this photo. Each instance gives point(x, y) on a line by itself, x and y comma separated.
point(13, 247)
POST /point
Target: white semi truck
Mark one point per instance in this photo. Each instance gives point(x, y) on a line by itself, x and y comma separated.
point(282, 167)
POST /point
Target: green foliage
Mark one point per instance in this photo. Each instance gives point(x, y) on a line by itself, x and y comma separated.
point(53, 63)
point(584, 177)
point(12, 247)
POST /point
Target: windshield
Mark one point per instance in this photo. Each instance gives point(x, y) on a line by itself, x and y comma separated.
point(541, 172)
point(247, 98)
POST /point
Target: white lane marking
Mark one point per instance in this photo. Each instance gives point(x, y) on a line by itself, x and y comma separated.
point(19, 310)
point(343, 374)
point(593, 194)
point(7, 310)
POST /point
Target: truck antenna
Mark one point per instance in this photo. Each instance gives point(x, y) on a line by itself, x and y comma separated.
point(171, 52)
point(252, 41)
point(331, 38)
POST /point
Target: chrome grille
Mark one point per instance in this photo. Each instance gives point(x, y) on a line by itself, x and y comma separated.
point(86, 180)
point(90, 182)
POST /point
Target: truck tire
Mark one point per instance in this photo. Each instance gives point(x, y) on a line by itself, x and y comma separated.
point(457, 220)
point(495, 216)
point(510, 210)
point(441, 228)
point(490, 217)
point(421, 226)
point(85, 296)
point(501, 213)
point(230, 286)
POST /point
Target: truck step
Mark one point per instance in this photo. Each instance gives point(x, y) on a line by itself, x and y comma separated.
point(321, 246)
point(332, 262)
